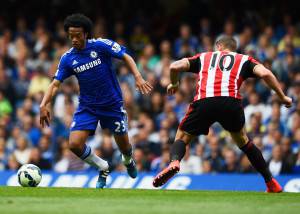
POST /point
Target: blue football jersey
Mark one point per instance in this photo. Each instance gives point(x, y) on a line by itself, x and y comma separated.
point(92, 67)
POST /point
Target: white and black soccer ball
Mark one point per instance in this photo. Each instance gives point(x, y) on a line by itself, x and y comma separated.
point(29, 175)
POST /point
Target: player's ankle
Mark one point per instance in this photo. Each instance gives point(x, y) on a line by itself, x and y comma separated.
point(178, 150)
point(126, 159)
point(105, 167)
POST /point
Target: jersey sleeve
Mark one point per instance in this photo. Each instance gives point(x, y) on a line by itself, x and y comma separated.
point(112, 48)
point(248, 67)
point(194, 64)
point(63, 71)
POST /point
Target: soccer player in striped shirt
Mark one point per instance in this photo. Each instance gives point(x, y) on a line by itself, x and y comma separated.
point(220, 75)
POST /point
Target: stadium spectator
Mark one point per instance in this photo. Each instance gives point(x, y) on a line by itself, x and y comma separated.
point(44, 148)
point(206, 166)
point(108, 151)
point(263, 45)
point(205, 28)
point(245, 165)
point(39, 82)
point(255, 127)
point(138, 39)
point(296, 140)
point(22, 152)
point(191, 164)
point(21, 84)
point(256, 106)
point(12, 163)
point(230, 164)
point(287, 153)
point(148, 59)
point(142, 163)
point(3, 154)
point(296, 168)
point(276, 164)
point(266, 151)
point(275, 117)
point(165, 58)
point(186, 44)
point(214, 155)
point(272, 136)
point(38, 160)
point(6, 86)
point(5, 106)
point(68, 161)
point(67, 98)
point(162, 161)
point(229, 30)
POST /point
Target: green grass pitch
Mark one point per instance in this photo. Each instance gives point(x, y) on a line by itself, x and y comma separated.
point(122, 201)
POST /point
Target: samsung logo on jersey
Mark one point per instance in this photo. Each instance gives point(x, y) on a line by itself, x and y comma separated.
point(87, 66)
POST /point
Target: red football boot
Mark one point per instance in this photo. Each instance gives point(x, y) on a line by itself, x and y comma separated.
point(273, 186)
point(166, 174)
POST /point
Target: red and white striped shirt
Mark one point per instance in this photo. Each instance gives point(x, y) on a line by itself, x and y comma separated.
point(221, 73)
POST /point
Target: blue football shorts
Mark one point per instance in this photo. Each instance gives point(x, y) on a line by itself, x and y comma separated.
point(113, 118)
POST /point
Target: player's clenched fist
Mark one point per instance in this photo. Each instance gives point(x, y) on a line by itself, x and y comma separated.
point(44, 116)
point(287, 101)
point(172, 88)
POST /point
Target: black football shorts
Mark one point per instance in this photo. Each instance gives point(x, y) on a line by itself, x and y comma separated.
point(201, 114)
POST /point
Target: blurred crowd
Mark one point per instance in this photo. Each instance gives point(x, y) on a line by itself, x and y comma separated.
point(29, 58)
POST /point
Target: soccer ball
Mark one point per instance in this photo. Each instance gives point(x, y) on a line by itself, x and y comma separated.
point(29, 175)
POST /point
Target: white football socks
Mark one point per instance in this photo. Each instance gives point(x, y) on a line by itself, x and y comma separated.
point(96, 161)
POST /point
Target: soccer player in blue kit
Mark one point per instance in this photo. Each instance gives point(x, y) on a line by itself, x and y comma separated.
point(100, 100)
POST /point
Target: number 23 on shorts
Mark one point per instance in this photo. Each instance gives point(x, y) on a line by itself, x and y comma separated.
point(120, 126)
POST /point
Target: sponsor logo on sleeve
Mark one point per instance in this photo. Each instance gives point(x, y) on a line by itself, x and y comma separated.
point(116, 47)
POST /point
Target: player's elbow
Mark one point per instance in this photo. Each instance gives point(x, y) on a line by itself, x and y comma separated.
point(175, 66)
point(265, 73)
point(127, 58)
point(262, 72)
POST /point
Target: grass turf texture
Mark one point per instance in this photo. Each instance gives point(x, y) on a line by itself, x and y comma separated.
point(131, 201)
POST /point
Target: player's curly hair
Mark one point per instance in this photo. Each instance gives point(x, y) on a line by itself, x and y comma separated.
point(79, 20)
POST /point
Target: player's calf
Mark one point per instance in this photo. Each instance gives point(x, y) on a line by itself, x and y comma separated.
point(86, 154)
point(76, 148)
point(257, 160)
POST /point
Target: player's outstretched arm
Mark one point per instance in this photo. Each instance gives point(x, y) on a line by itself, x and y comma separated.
point(143, 86)
point(264, 73)
point(44, 111)
point(175, 68)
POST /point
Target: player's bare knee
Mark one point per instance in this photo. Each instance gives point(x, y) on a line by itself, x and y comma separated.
point(183, 136)
point(243, 141)
point(75, 147)
point(240, 138)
